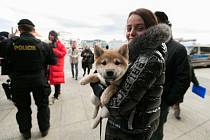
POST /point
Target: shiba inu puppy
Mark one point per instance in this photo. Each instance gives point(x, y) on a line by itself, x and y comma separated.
point(110, 65)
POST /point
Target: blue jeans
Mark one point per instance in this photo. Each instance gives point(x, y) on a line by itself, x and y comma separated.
point(76, 70)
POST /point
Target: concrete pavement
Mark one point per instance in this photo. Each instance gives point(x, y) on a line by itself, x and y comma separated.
point(71, 115)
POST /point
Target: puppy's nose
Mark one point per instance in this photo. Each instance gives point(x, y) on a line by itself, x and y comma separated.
point(110, 73)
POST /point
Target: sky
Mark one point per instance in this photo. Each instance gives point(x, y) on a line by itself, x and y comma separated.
point(105, 19)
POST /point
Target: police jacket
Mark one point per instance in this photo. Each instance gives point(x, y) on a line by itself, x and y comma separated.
point(136, 106)
point(28, 60)
point(177, 74)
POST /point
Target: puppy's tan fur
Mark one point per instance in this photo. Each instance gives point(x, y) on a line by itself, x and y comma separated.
point(110, 65)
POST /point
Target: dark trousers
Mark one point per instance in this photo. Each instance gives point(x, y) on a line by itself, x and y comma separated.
point(158, 134)
point(57, 90)
point(76, 70)
point(23, 103)
point(88, 70)
point(113, 133)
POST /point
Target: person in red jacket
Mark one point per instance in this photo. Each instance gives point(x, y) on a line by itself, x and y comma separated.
point(56, 72)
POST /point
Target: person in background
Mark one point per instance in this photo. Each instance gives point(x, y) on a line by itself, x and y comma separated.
point(135, 109)
point(56, 72)
point(107, 46)
point(177, 77)
point(28, 60)
point(3, 42)
point(4, 65)
point(176, 107)
point(87, 59)
point(74, 58)
point(194, 79)
point(4, 35)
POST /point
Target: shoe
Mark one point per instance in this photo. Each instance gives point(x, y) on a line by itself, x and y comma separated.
point(52, 100)
point(44, 133)
point(177, 114)
point(7, 90)
point(26, 135)
point(177, 111)
point(76, 78)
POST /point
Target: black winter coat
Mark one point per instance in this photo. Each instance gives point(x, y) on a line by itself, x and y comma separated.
point(177, 74)
point(135, 109)
point(87, 58)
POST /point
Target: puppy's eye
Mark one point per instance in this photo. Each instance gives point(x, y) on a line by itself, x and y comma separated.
point(103, 62)
point(117, 62)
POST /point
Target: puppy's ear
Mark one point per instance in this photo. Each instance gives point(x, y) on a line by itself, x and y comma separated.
point(98, 51)
point(123, 50)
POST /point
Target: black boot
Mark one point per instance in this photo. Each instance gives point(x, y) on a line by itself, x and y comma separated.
point(177, 111)
point(44, 133)
point(26, 135)
point(7, 90)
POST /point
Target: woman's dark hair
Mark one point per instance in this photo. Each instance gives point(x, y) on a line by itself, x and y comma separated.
point(53, 33)
point(148, 17)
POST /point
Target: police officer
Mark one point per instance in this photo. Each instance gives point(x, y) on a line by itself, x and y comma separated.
point(3, 63)
point(28, 61)
point(3, 37)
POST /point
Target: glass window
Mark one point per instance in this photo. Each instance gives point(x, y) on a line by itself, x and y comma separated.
point(205, 50)
point(194, 50)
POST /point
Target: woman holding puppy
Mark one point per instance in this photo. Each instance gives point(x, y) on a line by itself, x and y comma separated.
point(135, 109)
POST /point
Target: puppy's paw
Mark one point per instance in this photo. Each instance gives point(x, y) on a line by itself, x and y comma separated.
point(83, 81)
point(96, 121)
point(94, 125)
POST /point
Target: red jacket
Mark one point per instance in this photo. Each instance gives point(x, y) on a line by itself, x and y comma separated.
point(56, 72)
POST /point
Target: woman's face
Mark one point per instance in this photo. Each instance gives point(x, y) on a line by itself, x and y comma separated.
point(135, 27)
point(51, 37)
point(74, 44)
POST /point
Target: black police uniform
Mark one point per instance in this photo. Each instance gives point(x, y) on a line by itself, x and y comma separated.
point(28, 60)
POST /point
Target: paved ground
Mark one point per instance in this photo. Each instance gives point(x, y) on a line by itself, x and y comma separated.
point(71, 115)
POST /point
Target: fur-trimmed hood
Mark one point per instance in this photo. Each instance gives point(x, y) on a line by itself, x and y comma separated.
point(153, 37)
